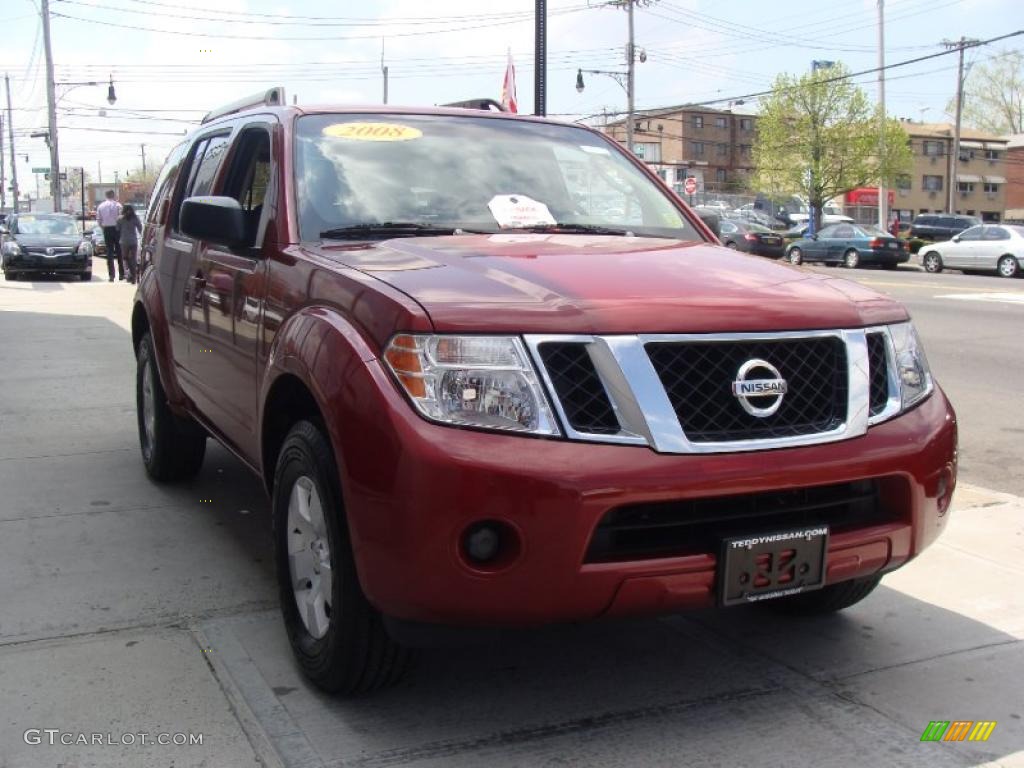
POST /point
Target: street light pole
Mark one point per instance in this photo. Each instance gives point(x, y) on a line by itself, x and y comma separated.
point(51, 104)
point(883, 192)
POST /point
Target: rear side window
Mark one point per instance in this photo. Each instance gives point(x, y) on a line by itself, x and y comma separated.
point(996, 233)
point(164, 184)
point(946, 221)
point(965, 222)
point(925, 221)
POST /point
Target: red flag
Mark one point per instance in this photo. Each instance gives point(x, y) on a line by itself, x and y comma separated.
point(509, 102)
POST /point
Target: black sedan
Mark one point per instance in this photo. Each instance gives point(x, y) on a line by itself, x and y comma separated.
point(751, 238)
point(44, 243)
point(850, 245)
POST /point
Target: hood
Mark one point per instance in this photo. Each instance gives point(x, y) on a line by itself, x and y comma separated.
point(525, 283)
point(51, 241)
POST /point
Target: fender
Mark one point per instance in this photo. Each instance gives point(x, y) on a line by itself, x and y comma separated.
point(147, 301)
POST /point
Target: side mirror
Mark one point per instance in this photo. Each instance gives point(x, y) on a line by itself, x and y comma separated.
point(219, 220)
point(4, 230)
point(813, 236)
point(956, 238)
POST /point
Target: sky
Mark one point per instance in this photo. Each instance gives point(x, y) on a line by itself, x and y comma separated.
point(171, 61)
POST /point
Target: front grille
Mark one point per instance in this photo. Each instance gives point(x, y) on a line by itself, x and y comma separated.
point(698, 378)
point(578, 387)
point(878, 368)
point(56, 251)
point(697, 526)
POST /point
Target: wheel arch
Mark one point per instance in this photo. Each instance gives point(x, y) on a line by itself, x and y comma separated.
point(309, 361)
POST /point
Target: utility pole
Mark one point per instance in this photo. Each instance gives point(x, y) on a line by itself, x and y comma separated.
point(883, 192)
point(143, 161)
point(954, 159)
point(3, 176)
point(540, 58)
point(51, 103)
point(10, 134)
point(384, 70)
point(630, 77)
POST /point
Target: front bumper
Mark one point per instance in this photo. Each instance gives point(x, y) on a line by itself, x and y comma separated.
point(412, 489)
point(73, 264)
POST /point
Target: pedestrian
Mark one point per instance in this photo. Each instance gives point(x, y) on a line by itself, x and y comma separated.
point(128, 228)
point(894, 227)
point(107, 214)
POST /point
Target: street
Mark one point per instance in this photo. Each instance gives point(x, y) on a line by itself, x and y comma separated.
point(133, 608)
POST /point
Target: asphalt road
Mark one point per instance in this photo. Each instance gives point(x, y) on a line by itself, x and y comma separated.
point(972, 327)
point(129, 608)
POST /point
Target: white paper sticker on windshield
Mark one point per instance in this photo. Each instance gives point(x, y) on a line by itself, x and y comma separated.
point(594, 150)
point(519, 211)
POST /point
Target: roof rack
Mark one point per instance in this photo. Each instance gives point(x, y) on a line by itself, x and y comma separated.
point(273, 97)
point(487, 105)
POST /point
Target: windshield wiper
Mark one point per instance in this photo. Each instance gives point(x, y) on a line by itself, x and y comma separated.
point(578, 229)
point(386, 229)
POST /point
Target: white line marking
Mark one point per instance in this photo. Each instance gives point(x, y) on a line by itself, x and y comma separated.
point(1007, 298)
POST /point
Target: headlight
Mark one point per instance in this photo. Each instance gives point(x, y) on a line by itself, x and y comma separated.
point(476, 381)
point(912, 372)
point(11, 248)
point(84, 248)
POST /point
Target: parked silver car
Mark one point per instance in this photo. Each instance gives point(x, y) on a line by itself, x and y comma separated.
point(995, 248)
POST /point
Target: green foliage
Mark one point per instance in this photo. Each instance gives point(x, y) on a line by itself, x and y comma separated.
point(994, 94)
point(819, 137)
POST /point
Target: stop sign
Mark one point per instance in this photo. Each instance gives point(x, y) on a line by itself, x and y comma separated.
point(690, 185)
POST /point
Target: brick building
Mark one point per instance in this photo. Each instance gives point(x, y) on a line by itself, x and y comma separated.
point(715, 146)
point(981, 173)
point(1015, 177)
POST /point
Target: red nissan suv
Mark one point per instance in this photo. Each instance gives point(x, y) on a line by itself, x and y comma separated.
point(493, 372)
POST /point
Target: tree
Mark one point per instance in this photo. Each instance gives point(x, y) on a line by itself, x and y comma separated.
point(994, 94)
point(818, 136)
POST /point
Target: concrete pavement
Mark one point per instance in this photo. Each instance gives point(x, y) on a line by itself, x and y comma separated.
point(132, 608)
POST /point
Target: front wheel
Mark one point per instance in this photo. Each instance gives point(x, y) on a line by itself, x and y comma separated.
point(172, 448)
point(932, 262)
point(795, 256)
point(1007, 266)
point(828, 599)
point(10, 275)
point(851, 259)
point(337, 637)
point(731, 244)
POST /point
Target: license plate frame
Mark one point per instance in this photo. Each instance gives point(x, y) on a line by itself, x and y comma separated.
point(767, 566)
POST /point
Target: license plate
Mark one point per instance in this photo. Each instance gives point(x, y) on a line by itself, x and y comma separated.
point(894, 245)
point(771, 565)
point(771, 240)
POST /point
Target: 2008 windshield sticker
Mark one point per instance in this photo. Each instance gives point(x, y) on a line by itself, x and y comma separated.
point(372, 131)
point(519, 211)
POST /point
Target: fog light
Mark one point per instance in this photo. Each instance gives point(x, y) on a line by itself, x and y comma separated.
point(482, 542)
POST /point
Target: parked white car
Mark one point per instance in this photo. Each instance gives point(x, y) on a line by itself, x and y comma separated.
point(995, 248)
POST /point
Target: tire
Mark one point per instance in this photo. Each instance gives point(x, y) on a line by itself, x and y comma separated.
point(829, 599)
point(338, 638)
point(795, 256)
point(12, 276)
point(731, 244)
point(1007, 266)
point(851, 259)
point(932, 262)
point(172, 448)
point(86, 276)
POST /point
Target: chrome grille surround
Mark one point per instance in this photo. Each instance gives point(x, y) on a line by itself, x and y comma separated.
point(646, 415)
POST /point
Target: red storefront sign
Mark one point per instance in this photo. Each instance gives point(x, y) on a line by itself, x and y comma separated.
point(867, 196)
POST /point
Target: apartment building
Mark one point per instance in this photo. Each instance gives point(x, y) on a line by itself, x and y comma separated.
point(979, 175)
point(1015, 178)
point(714, 146)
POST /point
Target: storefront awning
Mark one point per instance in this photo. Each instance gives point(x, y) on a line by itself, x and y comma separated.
point(972, 144)
point(995, 179)
point(968, 177)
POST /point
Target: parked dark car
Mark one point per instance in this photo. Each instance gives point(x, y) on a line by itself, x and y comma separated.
point(851, 246)
point(44, 243)
point(941, 226)
point(751, 238)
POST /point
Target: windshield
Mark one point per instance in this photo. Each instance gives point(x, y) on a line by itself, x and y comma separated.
point(45, 225)
point(471, 173)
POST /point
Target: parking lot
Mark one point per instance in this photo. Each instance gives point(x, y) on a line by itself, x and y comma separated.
point(134, 608)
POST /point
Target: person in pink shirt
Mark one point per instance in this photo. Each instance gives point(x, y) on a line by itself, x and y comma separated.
point(107, 214)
